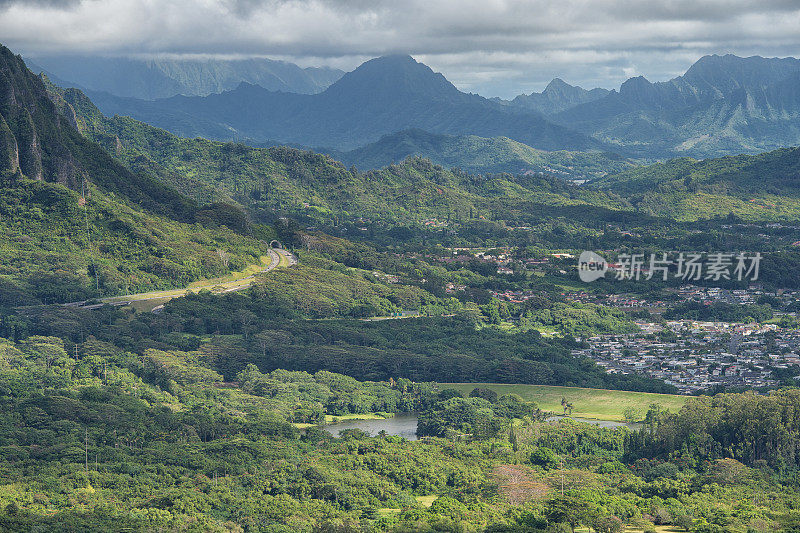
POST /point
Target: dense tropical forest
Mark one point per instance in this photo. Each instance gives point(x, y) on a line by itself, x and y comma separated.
point(134, 400)
point(98, 438)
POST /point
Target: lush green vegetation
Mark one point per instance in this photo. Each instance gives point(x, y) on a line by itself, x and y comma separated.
point(480, 155)
point(721, 312)
point(96, 438)
point(750, 428)
point(56, 250)
point(123, 232)
point(315, 186)
point(481, 415)
point(189, 419)
point(762, 186)
point(242, 329)
point(586, 403)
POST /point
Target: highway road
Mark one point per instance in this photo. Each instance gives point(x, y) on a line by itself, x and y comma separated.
point(275, 258)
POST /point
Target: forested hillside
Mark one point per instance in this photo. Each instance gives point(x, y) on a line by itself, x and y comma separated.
point(323, 191)
point(77, 224)
point(317, 187)
point(480, 155)
point(763, 186)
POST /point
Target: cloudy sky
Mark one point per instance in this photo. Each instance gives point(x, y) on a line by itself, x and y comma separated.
point(492, 47)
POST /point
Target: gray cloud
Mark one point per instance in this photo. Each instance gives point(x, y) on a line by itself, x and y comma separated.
point(494, 47)
point(41, 3)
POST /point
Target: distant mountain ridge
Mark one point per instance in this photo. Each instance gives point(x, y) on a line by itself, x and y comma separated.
point(722, 105)
point(383, 95)
point(480, 155)
point(558, 96)
point(149, 79)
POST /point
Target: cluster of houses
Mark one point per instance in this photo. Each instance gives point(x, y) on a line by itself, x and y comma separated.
point(750, 295)
point(686, 293)
point(697, 356)
point(503, 261)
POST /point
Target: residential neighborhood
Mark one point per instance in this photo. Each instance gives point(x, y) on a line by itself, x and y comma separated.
point(697, 356)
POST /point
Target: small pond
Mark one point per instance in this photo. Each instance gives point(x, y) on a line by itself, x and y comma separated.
point(405, 425)
point(402, 424)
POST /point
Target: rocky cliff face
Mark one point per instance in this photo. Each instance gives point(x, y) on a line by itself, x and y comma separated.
point(723, 105)
point(40, 139)
point(35, 140)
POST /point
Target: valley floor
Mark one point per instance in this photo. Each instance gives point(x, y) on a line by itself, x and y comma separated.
point(599, 404)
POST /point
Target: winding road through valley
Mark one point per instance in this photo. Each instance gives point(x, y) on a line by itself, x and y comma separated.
point(149, 301)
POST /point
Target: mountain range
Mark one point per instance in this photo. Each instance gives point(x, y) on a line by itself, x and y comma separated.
point(722, 105)
point(383, 95)
point(148, 79)
point(320, 189)
point(558, 96)
point(59, 153)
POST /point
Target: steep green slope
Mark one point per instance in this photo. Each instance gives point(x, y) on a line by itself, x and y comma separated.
point(480, 155)
point(764, 186)
point(76, 223)
point(56, 250)
point(38, 142)
point(305, 184)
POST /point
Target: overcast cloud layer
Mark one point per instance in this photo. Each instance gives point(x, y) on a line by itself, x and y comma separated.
point(492, 47)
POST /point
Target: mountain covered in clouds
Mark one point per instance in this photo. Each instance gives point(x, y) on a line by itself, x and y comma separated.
point(722, 105)
point(149, 79)
point(383, 95)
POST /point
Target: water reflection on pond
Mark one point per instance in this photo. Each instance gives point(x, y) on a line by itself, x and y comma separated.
point(402, 424)
point(405, 425)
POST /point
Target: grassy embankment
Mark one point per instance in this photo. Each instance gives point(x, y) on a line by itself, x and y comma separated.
point(231, 282)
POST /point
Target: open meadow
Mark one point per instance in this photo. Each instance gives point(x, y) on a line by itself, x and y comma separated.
point(587, 403)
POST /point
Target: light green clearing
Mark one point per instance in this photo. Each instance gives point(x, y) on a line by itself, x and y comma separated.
point(599, 404)
point(425, 501)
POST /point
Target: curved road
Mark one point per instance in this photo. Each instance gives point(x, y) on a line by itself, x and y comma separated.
point(278, 258)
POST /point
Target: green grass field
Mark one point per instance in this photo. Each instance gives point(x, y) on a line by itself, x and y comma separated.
point(588, 403)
